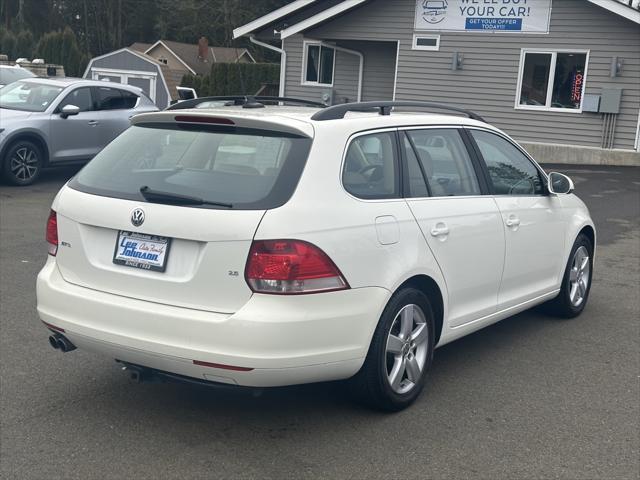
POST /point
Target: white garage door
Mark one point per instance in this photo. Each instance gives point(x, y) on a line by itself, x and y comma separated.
point(144, 80)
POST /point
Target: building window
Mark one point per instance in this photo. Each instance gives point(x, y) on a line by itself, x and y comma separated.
point(319, 63)
point(426, 42)
point(163, 60)
point(552, 80)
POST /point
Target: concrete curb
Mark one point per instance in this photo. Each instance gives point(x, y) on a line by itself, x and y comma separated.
point(572, 155)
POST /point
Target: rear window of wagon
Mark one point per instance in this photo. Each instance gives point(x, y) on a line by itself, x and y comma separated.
point(248, 168)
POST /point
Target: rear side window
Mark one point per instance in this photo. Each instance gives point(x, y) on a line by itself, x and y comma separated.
point(511, 172)
point(445, 162)
point(370, 167)
point(115, 99)
point(129, 99)
point(250, 169)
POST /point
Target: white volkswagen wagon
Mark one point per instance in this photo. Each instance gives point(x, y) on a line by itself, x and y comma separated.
point(265, 246)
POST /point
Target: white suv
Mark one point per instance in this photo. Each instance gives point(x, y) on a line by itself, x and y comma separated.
point(265, 246)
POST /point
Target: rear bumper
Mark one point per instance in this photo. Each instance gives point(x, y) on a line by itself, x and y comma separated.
point(283, 340)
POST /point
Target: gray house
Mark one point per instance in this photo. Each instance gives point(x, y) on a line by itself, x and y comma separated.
point(561, 76)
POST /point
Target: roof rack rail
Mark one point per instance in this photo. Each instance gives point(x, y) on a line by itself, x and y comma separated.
point(247, 101)
point(336, 112)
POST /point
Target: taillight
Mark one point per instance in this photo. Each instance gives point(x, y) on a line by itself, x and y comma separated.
point(52, 233)
point(291, 267)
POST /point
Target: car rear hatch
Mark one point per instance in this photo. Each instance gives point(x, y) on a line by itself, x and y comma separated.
point(167, 212)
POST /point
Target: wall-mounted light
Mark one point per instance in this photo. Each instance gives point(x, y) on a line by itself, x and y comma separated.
point(616, 67)
point(456, 63)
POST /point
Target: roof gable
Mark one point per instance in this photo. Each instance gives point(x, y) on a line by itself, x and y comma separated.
point(188, 55)
point(628, 9)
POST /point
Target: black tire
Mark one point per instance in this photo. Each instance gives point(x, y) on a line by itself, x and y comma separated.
point(564, 305)
point(22, 163)
point(372, 384)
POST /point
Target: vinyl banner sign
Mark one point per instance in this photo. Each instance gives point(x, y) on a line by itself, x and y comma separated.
point(526, 16)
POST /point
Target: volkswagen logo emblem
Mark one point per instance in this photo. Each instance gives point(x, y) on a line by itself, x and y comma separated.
point(137, 217)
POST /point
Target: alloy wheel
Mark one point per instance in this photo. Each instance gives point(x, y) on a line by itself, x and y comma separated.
point(406, 351)
point(24, 163)
point(579, 276)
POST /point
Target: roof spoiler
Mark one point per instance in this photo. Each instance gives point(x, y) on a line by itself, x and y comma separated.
point(339, 111)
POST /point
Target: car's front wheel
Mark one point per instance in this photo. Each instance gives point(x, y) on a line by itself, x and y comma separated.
point(22, 163)
point(576, 283)
point(400, 354)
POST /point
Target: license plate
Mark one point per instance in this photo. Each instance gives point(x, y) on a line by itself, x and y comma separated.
point(138, 250)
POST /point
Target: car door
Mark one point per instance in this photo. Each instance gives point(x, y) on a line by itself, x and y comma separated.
point(74, 137)
point(533, 221)
point(447, 194)
point(115, 109)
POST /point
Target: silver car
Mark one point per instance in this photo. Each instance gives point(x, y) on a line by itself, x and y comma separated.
point(12, 73)
point(61, 120)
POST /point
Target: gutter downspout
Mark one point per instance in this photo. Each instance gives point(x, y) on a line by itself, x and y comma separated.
point(283, 60)
point(361, 70)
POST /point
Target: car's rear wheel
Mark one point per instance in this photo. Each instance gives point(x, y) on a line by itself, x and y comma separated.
point(400, 353)
point(576, 283)
point(22, 163)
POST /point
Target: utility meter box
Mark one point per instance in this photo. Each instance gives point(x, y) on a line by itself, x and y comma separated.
point(326, 97)
point(591, 103)
point(610, 101)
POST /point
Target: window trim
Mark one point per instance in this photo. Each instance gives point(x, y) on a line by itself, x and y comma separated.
point(305, 54)
point(398, 195)
point(415, 46)
point(543, 175)
point(552, 76)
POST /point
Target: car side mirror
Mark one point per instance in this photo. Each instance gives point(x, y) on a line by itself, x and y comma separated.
point(69, 110)
point(560, 184)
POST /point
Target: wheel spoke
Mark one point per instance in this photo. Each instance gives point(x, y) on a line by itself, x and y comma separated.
point(406, 319)
point(584, 263)
point(394, 345)
point(22, 153)
point(573, 275)
point(420, 334)
point(573, 293)
point(582, 287)
point(397, 372)
point(413, 370)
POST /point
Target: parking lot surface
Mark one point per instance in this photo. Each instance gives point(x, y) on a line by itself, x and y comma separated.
point(531, 397)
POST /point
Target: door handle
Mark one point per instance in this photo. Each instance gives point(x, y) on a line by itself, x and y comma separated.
point(512, 221)
point(440, 230)
point(93, 123)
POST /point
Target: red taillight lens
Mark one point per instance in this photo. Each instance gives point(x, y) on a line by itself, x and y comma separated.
point(291, 267)
point(52, 233)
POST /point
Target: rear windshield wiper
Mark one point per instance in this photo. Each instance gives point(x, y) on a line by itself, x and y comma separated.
point(169, 198)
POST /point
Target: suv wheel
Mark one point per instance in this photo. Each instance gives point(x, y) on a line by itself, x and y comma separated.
point(400, 354)
point(576, 283)
point(22, 163)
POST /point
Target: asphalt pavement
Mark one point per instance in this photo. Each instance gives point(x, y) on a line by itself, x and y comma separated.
point(532, 397)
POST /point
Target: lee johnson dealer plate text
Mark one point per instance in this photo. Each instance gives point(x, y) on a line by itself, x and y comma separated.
point(138, 250)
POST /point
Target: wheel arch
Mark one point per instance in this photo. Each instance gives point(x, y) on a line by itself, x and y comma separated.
point(590, 233)
point(28, 135)
point(432, 290)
